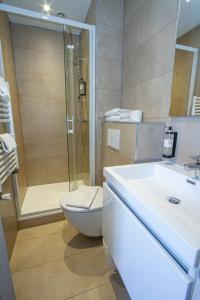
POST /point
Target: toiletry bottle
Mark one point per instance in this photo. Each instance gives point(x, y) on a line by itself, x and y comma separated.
point(170, 139)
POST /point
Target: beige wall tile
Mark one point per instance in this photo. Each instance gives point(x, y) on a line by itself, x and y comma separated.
point(91, 16)
point(108, 74)
point(37, 85)
point(152, 97)
point(37, 107)
point(106, 100)
point(98, 168)
point(109, 42)
point(43, 130)
point(153, 59)
point(99, 132)
point(38, 62)
point(188, 142)
point(149, 35)
point(40, 79)
point(52, 148)
point(109, 25)
point(112, 157)
point(127, 141)
point(110, 12)
point(144, 19)
point(47, 170)
point(37, 38)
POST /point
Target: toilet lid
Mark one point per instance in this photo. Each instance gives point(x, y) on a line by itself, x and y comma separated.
point(97, 203)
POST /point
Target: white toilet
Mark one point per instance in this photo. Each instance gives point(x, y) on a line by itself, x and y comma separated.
point(88, 221)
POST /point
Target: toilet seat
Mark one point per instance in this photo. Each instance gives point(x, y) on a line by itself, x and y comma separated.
point(96, 205)
point(87, 221)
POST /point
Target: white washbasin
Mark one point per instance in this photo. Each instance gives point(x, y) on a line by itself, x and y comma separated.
point(146, 188)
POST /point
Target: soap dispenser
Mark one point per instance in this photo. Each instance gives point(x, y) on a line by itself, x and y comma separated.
point(170, 140)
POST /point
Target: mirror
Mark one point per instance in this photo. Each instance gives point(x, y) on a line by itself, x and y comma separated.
point(185, 94)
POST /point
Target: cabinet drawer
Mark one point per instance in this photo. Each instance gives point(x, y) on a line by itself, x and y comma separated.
point(147, 269)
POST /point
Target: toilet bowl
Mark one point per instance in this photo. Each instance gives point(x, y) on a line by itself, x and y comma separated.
point(88, 221)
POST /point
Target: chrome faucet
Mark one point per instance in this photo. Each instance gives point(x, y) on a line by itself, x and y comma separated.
point(194, 166)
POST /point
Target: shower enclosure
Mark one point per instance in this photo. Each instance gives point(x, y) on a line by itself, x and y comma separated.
point(76, 79)
point(55, 74)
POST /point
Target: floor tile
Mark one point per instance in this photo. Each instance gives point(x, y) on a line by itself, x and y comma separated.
point(32, 252)
point(112, 290)
point(63, 278)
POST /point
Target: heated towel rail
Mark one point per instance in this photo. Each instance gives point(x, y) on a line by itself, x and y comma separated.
point(196, 106)
point(8, 161)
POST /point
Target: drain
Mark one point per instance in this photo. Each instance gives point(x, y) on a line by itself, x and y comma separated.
point(174, 200)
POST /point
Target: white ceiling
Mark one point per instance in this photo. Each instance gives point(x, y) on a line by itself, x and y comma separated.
point(73, 9)
point(189, 16)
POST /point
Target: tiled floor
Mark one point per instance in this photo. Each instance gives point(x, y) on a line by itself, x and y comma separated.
point(55, 262)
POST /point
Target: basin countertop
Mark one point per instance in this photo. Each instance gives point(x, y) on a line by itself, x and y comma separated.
point(145, 188)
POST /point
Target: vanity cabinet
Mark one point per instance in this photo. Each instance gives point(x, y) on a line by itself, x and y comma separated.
point(146, 267)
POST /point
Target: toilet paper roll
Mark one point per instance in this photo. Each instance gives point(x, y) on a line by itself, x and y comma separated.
point(137, 115)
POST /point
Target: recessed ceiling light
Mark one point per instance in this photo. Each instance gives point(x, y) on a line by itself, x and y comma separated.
point(187, 0)
point(46, 7)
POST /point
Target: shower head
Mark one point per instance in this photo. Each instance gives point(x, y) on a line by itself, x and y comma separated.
point(69, 38)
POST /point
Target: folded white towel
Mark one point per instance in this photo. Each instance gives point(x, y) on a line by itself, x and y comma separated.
point(121, 120)
point(137, 115)
point(124, 119)
point(129, 120)
point(8, 143)
point(123, 115)
point(117, 112)
point(113, 119)
point(83, 197)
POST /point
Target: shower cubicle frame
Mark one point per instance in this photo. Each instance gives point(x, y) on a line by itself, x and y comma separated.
point(92, 109)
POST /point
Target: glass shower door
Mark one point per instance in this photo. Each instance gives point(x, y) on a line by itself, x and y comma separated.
point(76, 45)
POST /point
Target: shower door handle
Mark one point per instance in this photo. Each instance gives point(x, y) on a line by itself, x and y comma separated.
point(70, 125)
